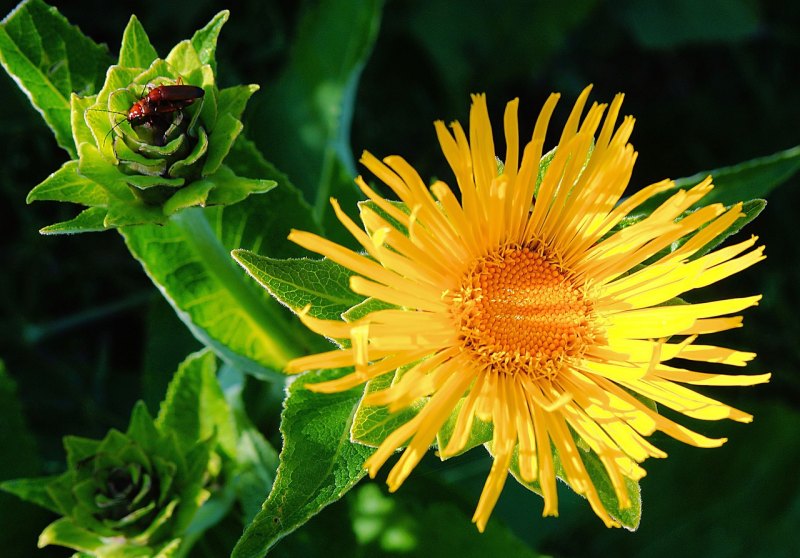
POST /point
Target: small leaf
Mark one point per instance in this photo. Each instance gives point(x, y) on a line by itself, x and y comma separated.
point(195, 408)
point(64, 532)
point(366, 307)
point(49, 59)
point(194, 194)
point(136, 50)
point(232, 100)
point(318, 463)
point(204, 40)
point(230, 189)
point(66, 184)
point(323, 284)
point(226, 130)
point(32, 490)
point(89, 220)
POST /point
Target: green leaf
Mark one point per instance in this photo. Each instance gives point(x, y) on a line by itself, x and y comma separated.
point(323, 284)
point(750, 210)
point(318, 463)
point(49, 59)
point(230, 189)
point(480, 433)
point(256, 459)
point(195, 408)
point(204, 40)
point(373, 423)
point(306, 114)
point(66, 184)
point(365, 307)
point(232, 100)
point(64, 532)
point(226, 129)
point(752, 179)
point(194, 194)
point(628, 517)
point(136, 50)
point(32, 490)
point(189, 259)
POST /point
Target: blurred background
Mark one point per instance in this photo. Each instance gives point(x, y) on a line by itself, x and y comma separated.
point(712, 83)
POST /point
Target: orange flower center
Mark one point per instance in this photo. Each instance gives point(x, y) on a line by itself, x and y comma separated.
point(519, 312)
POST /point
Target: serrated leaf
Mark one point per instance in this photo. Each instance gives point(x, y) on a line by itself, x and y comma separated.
point(318, 463)
point(195, 408)
point(323, 284)
point(136, 51)
point(49, 59)
point(204, 40)
point(189, 259)
point(306, 114)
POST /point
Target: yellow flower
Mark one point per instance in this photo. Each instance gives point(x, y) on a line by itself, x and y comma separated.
point(523, 306)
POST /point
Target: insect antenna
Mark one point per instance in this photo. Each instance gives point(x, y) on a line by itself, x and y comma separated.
point(105, 139)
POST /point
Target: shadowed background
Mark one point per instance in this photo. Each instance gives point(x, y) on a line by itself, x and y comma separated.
point(84, 334)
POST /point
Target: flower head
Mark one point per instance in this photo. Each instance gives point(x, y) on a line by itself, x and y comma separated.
point(526, 305)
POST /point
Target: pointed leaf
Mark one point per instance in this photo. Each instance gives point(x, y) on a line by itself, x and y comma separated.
point(752, 179)
point(226, 129)
point(232, 100)
point(66, 184)
point(204, 40)
point(136, 50)
point(49, 59)
point(32, 490)
point(323, 284)
point(65, 533)
point(318, 463)
point(229, 189)
point(195, 408)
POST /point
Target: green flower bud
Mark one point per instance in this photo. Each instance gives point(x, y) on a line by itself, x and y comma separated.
point(154, 139)
point(129, 494)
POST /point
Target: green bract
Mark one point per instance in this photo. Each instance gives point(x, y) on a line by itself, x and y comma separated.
point(133, 174)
